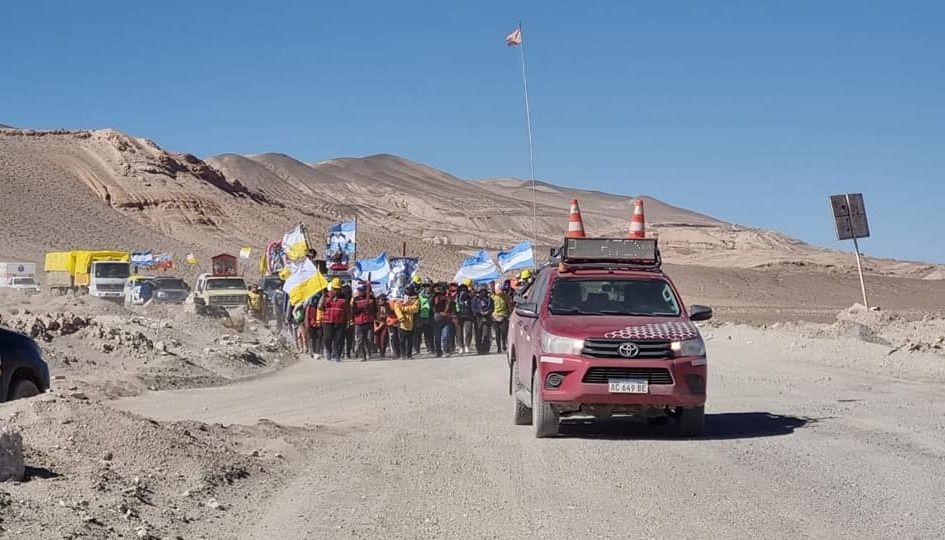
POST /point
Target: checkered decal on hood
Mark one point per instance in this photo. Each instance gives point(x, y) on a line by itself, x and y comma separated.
point(671, 331)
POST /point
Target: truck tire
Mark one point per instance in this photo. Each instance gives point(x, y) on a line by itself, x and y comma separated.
point(23, 388)
point(544, 418)
point(692, 421)
point(522, 415)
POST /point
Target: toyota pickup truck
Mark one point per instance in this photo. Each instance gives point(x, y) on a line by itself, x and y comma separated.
point(603, 332)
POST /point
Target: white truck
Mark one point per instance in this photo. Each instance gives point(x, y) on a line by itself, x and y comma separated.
point(101, 274)
point(19, 275)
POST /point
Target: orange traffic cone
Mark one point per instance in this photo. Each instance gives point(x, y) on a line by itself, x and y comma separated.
point(637, 221)
point(575, 223)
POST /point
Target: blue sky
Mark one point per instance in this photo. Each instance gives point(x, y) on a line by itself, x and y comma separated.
point(753, 112)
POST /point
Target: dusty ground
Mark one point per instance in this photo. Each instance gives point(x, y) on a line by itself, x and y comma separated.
point(100, 348)
point(830, 437)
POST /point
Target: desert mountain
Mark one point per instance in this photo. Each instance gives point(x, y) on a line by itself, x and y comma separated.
point(105, 189)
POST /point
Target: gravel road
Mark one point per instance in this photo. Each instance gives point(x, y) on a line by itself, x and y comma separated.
point(805, 438)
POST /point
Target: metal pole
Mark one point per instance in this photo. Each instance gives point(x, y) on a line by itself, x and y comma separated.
point(531, 150)
point(859, 269)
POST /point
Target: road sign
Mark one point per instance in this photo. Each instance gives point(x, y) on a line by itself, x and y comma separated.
point(849, 213)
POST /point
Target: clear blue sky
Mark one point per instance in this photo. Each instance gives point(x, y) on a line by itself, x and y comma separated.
point(749, 111)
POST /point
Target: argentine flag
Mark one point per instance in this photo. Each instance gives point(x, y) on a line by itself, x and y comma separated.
point(518, 258)
point(379, 270)
point(478, 268)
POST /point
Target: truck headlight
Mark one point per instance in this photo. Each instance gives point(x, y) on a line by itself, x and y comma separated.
point(689, 347)
point(561, 345)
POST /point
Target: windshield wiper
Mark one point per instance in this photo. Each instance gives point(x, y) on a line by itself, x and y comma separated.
point(568, 311)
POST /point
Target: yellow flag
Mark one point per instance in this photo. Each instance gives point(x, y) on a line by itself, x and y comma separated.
point(294, 244)
point(191, 259)
point(304, 282)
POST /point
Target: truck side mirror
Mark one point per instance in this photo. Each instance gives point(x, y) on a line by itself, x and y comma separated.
point(699, 313)
point(529, 310)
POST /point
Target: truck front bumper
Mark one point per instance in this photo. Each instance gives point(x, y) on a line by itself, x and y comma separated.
point(672, 382)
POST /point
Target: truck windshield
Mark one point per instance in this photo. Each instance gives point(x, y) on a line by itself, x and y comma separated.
point(217, 284)
point(117, 270)
point(170, 284)
point(636, 297)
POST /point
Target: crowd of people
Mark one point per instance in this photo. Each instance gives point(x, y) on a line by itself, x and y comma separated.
point(348, 321)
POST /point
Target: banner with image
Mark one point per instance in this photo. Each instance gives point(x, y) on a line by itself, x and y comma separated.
point(341, 244)
point(402, 270)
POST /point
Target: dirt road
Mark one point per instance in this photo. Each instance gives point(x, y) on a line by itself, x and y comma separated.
point(806, 438)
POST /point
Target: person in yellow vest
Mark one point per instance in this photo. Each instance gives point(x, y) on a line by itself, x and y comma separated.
point(406, 312)
point(500, 318)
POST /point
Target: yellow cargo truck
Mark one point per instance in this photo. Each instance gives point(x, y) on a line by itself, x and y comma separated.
point(97, 273)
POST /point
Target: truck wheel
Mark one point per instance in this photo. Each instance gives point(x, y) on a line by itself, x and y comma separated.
point(23, 388)
point(522, 413)
point(544, 418)
point(692, 421)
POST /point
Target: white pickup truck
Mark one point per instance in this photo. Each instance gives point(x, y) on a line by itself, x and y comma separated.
point(18, 275)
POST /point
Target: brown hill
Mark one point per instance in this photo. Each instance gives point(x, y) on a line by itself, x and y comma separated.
point(105, 189)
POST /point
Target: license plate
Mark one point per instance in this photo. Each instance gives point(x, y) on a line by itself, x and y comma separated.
point(628, 386)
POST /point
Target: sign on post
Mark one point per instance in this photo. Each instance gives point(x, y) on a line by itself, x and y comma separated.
point(849, 214)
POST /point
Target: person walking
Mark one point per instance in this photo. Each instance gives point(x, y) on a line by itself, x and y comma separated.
point(406, 314)
point(482, 313)
point(362, 316)
point(380, 325)
point(313, 319)
point(334, 305)
point(442, 320)
point(426, 327)
point(464, 317)
point(301, 329)
point(393, 331)
point(500, 319)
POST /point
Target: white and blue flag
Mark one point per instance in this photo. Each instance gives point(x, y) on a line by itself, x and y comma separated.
point(379, 270)
point(519, 257)
point(143, 259)
point(478, 268)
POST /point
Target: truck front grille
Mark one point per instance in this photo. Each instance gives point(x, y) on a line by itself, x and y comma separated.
point(608, 348)
point(232, 300)
point(601, 375)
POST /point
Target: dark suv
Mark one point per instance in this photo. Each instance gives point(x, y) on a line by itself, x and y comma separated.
point(602, 331)
point(23, 372)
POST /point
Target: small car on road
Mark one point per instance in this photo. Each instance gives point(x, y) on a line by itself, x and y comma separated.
point(601, 332)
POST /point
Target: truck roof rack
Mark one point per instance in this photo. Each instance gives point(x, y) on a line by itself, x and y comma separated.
point(608, 254)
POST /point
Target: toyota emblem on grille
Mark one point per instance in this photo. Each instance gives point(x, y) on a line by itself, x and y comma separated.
point(628, 350)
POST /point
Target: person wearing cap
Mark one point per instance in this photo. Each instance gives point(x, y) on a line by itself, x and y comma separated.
point(406, 311)
point(362, 317)
point(482, 316)
point(500, 318)
point(334, 305)
point(464, 317)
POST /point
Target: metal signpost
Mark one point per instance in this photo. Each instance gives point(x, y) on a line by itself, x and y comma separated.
point(849, 212)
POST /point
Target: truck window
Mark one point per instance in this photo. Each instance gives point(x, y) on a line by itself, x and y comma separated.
point(24, 281)
point(218, 284)
point(112, 270)
point(637, 297)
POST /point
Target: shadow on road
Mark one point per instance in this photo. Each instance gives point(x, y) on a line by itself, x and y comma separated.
point(718, 426)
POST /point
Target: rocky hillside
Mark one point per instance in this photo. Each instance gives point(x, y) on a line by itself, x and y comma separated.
point(104, 189)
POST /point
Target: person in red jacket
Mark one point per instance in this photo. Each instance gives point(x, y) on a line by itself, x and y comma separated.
point(363, 310)
point(335, 308)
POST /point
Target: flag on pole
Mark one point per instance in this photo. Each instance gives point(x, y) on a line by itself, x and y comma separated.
point(478, 268)
point(515, 38)
point(191, 259)
point(304, 281)
point(294, 244)
point(378, 269)
point(518, 258)
point(245, 252)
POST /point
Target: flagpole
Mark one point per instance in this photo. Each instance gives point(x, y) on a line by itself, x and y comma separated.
point(531, 148)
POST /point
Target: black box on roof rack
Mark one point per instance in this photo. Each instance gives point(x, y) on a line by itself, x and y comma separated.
point(610, 249)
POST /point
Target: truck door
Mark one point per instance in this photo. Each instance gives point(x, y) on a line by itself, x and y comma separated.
point(526, 331)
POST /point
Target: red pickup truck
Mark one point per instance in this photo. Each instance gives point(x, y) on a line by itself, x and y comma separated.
point(602, 331)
